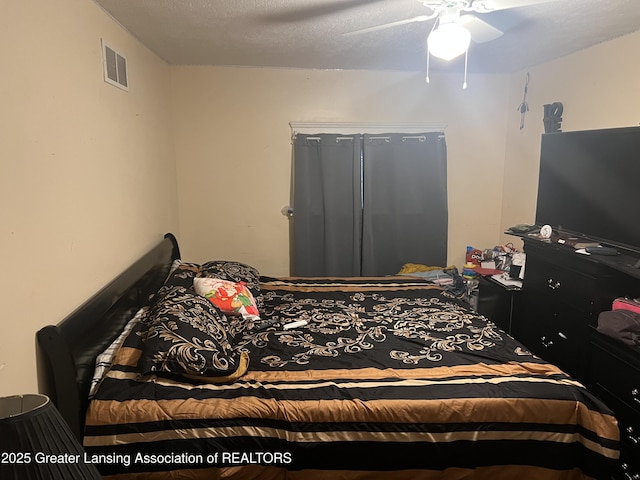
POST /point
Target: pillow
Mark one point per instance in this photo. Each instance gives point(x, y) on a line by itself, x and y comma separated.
point(235, 272)
point(229, 297)
point(183, 336)
point(182, 274)
point(105, 359)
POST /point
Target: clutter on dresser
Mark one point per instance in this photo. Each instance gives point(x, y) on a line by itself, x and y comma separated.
point(523, 228)
point(492, 275)
point(632, 305)
point(493, 261)
point(622, 322)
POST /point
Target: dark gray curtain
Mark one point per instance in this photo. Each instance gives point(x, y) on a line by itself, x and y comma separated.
point(327, 205)
point(405, 217)
point(366, 205)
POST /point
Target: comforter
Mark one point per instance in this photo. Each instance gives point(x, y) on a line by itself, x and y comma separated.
point(390, 378)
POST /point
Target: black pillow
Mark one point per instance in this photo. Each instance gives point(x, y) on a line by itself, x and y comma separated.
point(235, 272)
point(182, 275)
point(183, 335)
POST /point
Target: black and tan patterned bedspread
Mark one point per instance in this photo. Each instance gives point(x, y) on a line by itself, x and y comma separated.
point(389, 376)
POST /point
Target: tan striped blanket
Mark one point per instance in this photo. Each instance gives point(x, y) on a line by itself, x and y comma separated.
point(389, 379)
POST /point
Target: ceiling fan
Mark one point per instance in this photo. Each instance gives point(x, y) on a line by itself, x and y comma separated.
point(453, 30)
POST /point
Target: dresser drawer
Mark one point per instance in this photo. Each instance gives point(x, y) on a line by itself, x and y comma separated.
point(557, 335)
point(618, 378)
point(630, 436)
point(614, 375)
point(561, 285)
point(629, 424)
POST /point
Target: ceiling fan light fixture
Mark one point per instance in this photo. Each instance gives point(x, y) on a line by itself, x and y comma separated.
point(448, 41)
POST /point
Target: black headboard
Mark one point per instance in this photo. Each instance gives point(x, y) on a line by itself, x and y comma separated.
point(66, 352)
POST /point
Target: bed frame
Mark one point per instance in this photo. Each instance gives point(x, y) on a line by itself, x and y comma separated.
point(66, 353)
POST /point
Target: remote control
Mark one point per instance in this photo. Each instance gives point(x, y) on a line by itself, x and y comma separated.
point(264, 324)
point(299, 323)
point(601, 251)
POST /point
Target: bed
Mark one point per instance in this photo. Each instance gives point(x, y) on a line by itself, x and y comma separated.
point(386, 378)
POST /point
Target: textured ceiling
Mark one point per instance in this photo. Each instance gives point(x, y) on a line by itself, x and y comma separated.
point(309, 33)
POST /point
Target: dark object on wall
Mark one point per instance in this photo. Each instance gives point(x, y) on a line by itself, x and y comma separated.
point(523, 108)
point(36, 443)
point(552, 117)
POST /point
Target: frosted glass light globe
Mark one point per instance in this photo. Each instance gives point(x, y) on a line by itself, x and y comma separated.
point(448, 41)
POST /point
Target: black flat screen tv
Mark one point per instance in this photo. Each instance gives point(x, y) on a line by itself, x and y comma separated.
point(589, 185)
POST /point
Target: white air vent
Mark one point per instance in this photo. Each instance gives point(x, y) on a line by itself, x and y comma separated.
point(115, 67)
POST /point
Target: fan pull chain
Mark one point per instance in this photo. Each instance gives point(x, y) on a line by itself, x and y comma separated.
point(428, 61)
point(466, 57)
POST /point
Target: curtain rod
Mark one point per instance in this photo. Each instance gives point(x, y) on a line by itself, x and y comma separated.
point(337, 127)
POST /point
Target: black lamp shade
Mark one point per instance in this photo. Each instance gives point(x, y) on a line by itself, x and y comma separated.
point(36, 443)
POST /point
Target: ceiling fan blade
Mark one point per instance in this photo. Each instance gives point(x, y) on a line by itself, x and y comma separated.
point(419, 18)
point(296, 13)
point(484, 6)
point(480, 30)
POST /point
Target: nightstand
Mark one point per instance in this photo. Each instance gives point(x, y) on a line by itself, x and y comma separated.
point(496, 301)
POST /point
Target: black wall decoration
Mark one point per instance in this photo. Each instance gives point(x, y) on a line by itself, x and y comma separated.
point(552, 117)
point(523, 108)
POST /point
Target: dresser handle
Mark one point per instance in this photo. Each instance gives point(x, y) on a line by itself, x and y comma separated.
point(633, 439)
point(627, 475)
point(553, 284)
point(635, 393)
point(546, 343)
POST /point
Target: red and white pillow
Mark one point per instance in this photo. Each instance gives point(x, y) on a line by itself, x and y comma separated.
point(232, 298)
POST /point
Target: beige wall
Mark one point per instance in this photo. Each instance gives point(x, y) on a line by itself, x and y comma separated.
point(88, 178)
point(598, 88)
point(87, 173)
point(233, 149)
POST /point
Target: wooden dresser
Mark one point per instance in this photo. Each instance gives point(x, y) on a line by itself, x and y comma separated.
point(614, 375)
point(556, 315)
